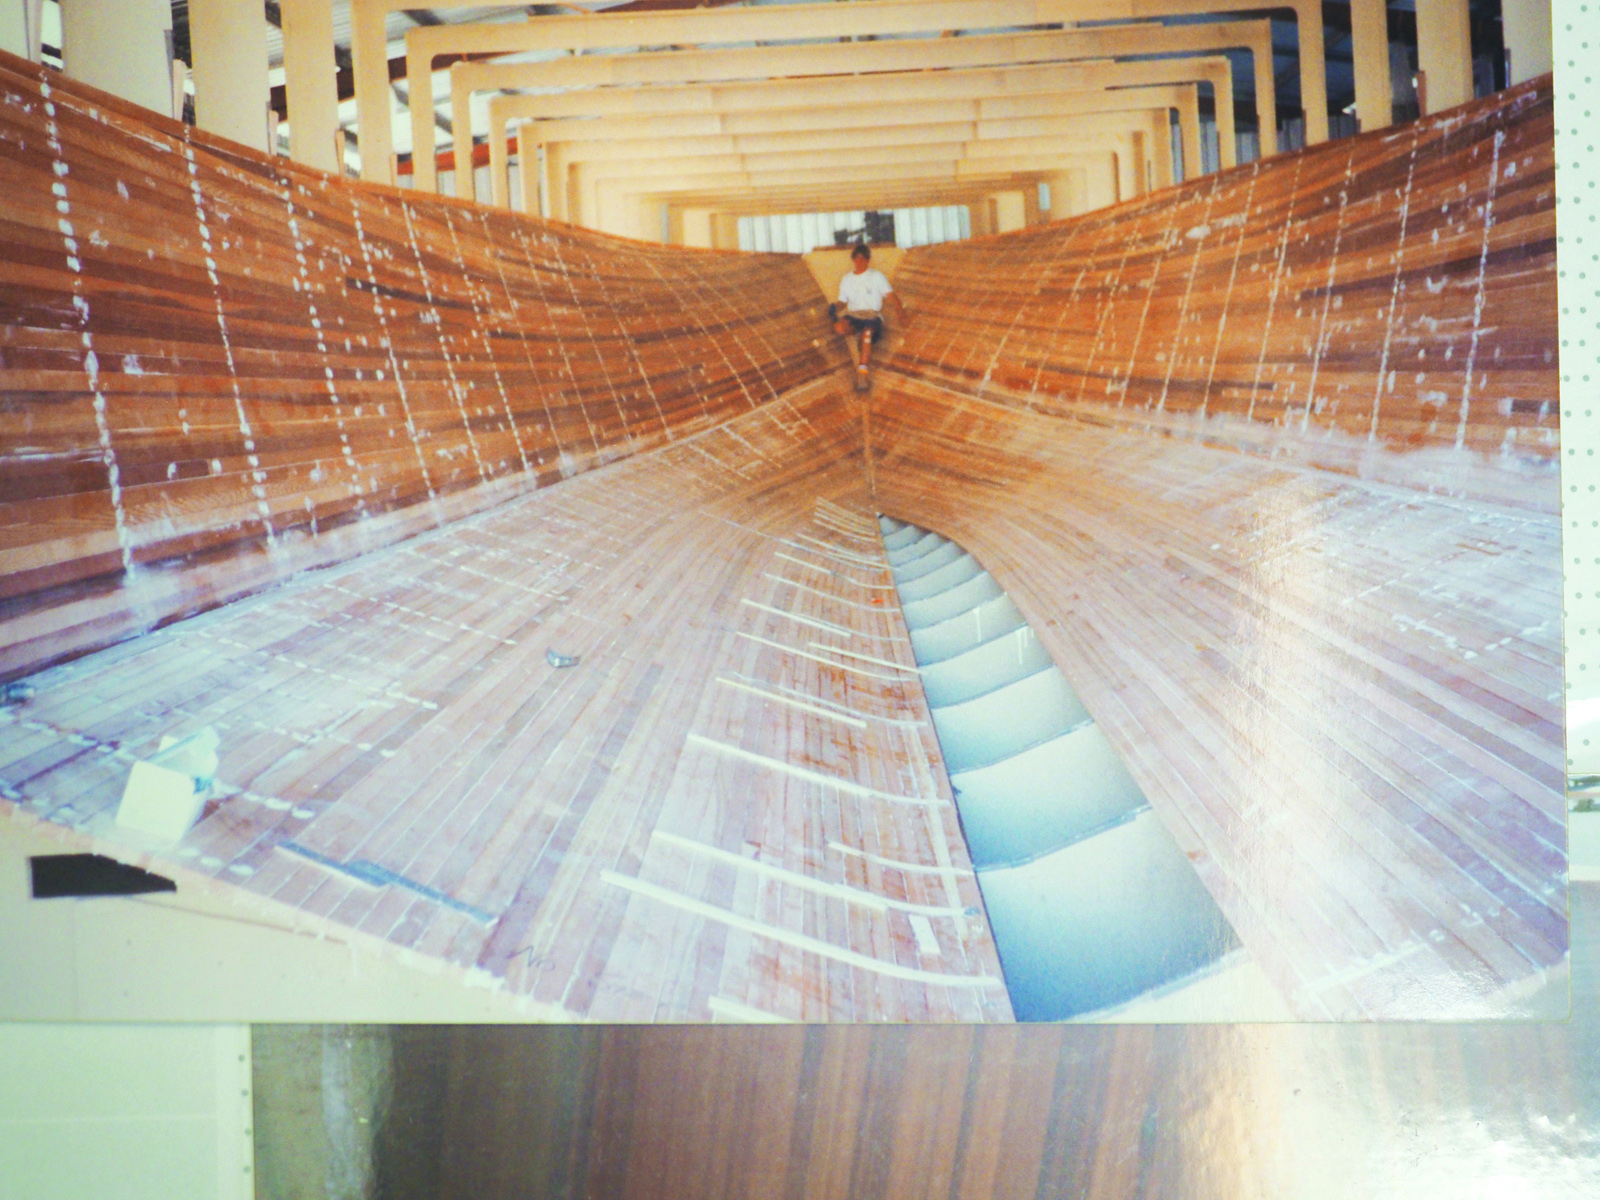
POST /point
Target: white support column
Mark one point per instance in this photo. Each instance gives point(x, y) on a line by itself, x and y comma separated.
point(1266, 106)
point(1060, 204)
point(652, 220)
point(558, 184)
point(369, 48)
point(1369, 39)
point(120, 46)
point(1313, 69)
point(229, 42)
point(599, 206)
point(981, 210)
point(1189, 133)
point(19, 27)
point(725, 231)
point(1032, 213)
point(1527, 33)
point(1070, 192)
point(697, 227)
point(1161, 143)
point(530, 166)
point(1100, 186)
point(1131, 170)
point(1444, 52)
point(310, 79)
point(499, 166)
point(1011, 211)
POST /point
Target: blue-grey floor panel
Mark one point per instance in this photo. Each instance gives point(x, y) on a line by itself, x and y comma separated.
point(1007, 721)
point(958, 570)
point(925, 563)
point(1036, 802)
point(1091, 901)
point(922, 613)
point(960, 633)
point(1102, 921)
point(995, 663)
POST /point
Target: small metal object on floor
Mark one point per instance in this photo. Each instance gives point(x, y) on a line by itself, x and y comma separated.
point(16, 693)
point(561, 660)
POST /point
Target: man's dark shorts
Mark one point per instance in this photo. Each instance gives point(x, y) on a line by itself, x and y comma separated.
point(859, 323)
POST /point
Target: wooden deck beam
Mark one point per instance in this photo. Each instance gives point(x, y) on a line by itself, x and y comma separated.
point(908, 144)
point(741, 25)
point(685, 67)
point(979, 86)
point(931, 160)
point(1034, 114)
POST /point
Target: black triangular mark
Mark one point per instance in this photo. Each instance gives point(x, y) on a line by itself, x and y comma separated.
point(56, 875)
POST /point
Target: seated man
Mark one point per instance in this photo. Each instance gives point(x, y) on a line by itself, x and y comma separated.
point(859, 311)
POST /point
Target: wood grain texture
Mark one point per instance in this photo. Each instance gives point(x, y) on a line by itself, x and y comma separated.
point(1394, 292)
point(1191, 437)
point(1317, 612)
point(1253, 1112)
point(728, 809)
point(220, 368)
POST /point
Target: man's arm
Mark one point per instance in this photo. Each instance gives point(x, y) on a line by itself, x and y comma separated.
point(899, 309)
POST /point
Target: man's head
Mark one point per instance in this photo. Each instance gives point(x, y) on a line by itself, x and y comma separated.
point(860, 257)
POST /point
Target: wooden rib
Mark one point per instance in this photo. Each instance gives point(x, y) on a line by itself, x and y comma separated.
point(832, 596)
point(832, 708)
point(798, 941)
point(853, 895)
point(798, 653)
point(813, 622)
point(847, 786)
point(875, 587)
point(886, 862)
point(882, 662)
point(731, 1010)
point(804, 706)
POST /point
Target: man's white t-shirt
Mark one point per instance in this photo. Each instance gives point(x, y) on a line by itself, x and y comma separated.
point(864, 292)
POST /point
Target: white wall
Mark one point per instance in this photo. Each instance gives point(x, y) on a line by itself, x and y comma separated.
point(187, 956)
point(125, 1112)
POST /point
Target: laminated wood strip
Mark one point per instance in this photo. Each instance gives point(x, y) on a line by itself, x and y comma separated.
point(1374, 806)
point(245, 363)
point(1268, 461)
point(1383, 303)
point(395, 719)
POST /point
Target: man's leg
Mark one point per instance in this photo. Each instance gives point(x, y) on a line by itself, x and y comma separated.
point(863, 357)
point(842, 326)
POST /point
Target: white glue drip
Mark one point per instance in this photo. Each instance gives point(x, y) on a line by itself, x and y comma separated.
point(1233, 274)
point(388, 347)
point(1198, 235)
point(432, 318)
point(91, 362)
point(563, 453)
point(304, 277)
point(1277, 286)
point(1394, 287)
point(483, 336)
point(258, 477)
point(1477, 303)
point(1327, 292)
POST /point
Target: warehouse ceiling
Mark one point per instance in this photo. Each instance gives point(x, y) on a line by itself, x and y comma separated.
point(448, 112)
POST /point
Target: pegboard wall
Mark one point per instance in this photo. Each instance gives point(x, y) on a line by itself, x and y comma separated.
point(1576, 26)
